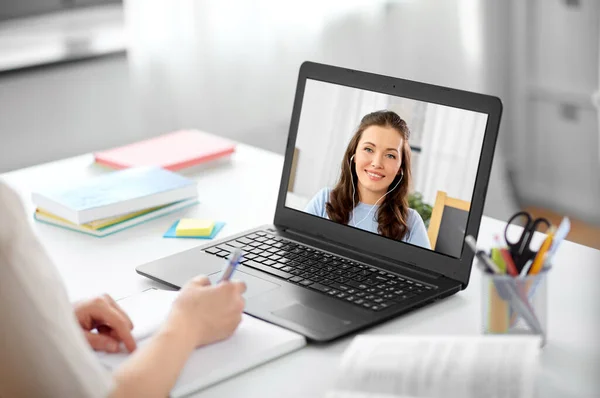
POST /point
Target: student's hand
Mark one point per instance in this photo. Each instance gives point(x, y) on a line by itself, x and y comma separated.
point(112, 324)
point(207, 313)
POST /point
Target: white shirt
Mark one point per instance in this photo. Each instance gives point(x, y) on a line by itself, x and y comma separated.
point(43, 351)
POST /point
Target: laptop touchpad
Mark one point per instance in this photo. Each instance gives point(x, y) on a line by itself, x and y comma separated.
point(254, 285)
point(310, 317)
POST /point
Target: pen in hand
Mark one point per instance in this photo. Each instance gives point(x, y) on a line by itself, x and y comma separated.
point(231, 265)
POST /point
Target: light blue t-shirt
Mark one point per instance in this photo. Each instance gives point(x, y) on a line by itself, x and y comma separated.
point(416, 235)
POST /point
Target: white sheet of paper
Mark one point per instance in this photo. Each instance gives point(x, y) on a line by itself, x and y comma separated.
point(148, 310)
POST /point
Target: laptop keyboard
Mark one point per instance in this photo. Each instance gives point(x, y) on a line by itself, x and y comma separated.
point(359, 284)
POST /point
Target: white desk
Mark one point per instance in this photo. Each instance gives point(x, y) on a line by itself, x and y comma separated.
point(243, 193)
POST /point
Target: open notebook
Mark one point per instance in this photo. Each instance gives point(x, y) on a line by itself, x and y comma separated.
point(253, 343)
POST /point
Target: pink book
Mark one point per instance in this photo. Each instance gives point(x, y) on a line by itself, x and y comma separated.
point(172, 151)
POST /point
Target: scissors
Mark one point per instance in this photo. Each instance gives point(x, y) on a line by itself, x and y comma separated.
point(520, 250)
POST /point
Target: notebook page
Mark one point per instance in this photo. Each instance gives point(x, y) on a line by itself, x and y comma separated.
point(254, 342)
point(148, 310)
point(431, 366)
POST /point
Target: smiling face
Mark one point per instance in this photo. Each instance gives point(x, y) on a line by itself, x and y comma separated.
point(378, 158)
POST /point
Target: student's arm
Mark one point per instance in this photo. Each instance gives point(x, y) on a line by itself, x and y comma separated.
point(201, 315)
point(418, 232)
point(43, 349)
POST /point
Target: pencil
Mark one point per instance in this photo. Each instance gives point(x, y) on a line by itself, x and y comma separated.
point(541, 255)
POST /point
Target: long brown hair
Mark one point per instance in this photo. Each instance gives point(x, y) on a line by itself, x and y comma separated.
point(393, 211)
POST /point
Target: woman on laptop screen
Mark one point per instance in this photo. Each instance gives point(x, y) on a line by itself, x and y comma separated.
point(375, 176)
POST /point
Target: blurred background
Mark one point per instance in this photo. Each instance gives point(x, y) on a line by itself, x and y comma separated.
point(84, 75)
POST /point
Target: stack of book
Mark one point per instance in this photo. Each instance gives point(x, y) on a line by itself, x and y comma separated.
point(115, 201)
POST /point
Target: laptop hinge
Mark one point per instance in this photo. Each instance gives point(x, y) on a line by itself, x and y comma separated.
point(408, 267)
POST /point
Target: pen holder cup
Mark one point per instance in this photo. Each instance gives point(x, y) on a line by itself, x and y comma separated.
point(515, 305)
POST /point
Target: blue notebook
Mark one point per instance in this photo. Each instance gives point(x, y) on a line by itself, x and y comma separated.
point(116, 193)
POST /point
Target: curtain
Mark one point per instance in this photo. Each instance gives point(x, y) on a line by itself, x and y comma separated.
point(227, 66)
point(451, 147)
point(231, 66)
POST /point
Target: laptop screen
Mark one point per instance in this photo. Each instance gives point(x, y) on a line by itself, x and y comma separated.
point(396, 167)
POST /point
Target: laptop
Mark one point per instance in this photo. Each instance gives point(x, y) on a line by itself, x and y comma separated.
point(373, 170)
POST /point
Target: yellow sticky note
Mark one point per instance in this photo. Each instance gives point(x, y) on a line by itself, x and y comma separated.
point(193, 227)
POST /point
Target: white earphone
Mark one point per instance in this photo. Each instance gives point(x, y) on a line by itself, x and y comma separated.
point(353, 192)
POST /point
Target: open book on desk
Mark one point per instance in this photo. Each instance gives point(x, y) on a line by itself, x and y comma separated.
point(438, 367)
point(253, 343)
